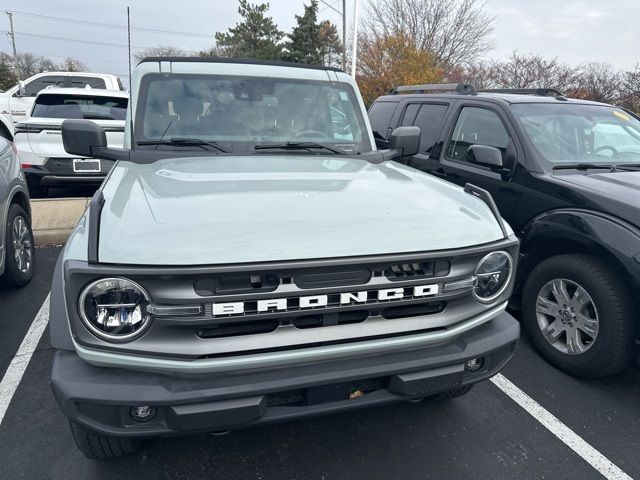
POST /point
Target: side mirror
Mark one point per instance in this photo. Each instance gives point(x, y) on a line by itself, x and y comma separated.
point(485, 155)
point(83, 137)
point(22, 91)
point(406, 140)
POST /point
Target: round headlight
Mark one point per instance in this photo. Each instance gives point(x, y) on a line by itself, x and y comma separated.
point(492, 276)
point(114, 309)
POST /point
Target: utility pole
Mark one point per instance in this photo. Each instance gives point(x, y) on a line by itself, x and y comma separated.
point(344, 35)
point(355, 38)
point(13, 39)
point(129, 44)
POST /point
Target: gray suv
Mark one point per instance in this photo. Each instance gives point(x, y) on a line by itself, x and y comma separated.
point(252, 258)
point(16, 238)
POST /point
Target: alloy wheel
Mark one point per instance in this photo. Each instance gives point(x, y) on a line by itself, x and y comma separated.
point(567, 316)
point(22, 246)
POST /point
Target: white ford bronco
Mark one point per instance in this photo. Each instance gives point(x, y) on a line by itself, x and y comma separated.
point(251, 258)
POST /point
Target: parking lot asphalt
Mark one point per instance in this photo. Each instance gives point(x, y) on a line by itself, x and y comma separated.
point(483, 435)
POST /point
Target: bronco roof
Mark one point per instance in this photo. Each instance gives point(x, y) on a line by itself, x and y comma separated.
point(248, 61)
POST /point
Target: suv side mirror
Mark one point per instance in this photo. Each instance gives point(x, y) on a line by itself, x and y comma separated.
point(88, 139)
point(22, 91)
point(485, 155)
point(406, 140)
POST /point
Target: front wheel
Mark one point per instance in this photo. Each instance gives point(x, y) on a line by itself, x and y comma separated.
point(19, 251)
point(578, 313)
point(100, 447)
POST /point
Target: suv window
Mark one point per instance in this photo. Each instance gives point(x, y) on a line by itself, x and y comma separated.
point(82, 82)
point(242, 112)
point(35, 86)
point(477, 126)
point(429, 119)
point(410, 114)
point(79, 106)
point(380, 115)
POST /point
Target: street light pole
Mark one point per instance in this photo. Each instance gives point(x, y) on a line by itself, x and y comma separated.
point(344, 35)
point(354, 55)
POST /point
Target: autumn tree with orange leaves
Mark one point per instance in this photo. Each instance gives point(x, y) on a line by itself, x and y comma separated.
point(386, 61)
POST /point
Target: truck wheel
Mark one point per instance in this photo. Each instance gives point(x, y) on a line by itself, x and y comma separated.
point(578, 313)
point(99, 447)
point(19, 251)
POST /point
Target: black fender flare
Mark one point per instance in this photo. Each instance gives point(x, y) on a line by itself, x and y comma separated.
point(59, 329)
point(579, 230)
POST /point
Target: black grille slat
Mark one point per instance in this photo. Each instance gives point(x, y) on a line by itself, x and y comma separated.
point(416, 270)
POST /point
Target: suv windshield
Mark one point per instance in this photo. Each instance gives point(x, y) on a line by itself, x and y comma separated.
point(80, 106)
point(239, 113)
point(580, 134)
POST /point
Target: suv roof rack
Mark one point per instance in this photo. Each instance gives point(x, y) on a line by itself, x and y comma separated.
point(246, 61)
point(460, 88)
point(541, 92)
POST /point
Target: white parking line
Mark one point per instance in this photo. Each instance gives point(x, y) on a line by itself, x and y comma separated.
point(570, 438)
point(18, 365)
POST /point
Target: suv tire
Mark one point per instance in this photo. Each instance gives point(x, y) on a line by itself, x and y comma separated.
point(607, 302)
point(450, 394)
point(16, 275)
point(100, 447)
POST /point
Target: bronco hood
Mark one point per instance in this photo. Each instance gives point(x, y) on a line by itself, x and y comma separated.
point(236, 209)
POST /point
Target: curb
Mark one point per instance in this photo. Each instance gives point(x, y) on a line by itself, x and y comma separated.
point(53, 219)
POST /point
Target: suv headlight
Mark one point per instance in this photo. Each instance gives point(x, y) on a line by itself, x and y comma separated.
point(492, 276)
point(114, 309)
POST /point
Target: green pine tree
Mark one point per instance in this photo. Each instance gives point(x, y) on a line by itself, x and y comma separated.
point(256, 36)
point(305, 45)
point(8, 76)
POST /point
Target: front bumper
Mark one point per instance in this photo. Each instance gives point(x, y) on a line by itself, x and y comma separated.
point(59, 172)
point(101, 398)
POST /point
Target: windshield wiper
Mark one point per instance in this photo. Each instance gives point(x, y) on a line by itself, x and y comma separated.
point(96, 116)
point(298, 146)
point(628, 166)
point(187, 142)
point(585, 166)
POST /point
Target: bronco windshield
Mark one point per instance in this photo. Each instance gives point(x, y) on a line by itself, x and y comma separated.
point(574, 133)
point(239, 113)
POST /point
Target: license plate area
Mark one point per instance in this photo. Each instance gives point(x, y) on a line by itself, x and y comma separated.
point(86, 165)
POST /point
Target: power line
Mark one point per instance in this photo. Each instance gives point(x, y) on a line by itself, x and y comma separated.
point(108, 25)
point(90, 42)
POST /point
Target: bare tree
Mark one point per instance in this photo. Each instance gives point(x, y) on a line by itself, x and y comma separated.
point(455, 32)
point(159, 51)
point(70, 64)
point(599, 82)
point(522, 71)
point(630, 97)
point(29, 64)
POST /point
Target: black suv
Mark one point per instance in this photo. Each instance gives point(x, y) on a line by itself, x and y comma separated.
point(565, 174)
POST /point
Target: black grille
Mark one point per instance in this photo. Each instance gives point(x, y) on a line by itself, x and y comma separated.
point(404, 271)
point(403, 311)
point(339, 318)
point(240, 328)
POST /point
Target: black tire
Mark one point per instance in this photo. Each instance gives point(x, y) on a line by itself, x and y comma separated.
point(4, 133)
point(450, 394)
point(612, 349)
point(13, 276)
point(100, 447)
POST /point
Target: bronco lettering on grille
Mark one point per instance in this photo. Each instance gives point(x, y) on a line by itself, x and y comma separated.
point(316, 301)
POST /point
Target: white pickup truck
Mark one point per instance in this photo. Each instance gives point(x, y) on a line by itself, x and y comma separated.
point(16, 103)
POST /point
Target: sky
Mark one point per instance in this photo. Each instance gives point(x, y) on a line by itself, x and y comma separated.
point(575, 31)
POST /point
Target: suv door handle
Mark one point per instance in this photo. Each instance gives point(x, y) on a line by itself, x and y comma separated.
point(439, 173)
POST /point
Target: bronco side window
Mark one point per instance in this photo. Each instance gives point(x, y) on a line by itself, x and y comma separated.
point(476, 126)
